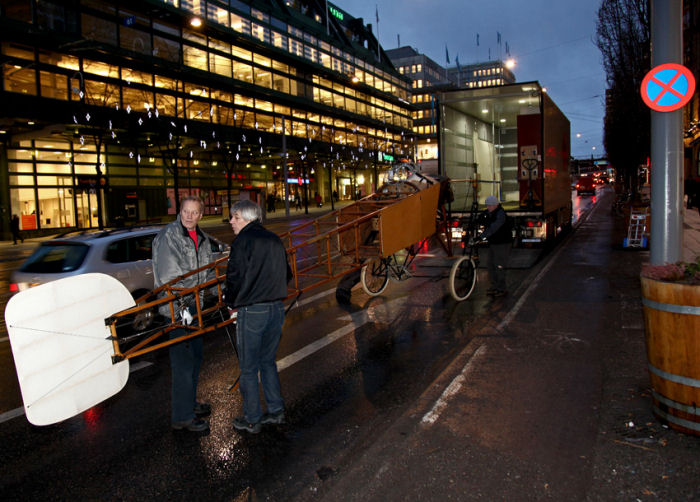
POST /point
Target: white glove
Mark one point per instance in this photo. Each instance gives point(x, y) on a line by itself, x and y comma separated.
point(186, 316)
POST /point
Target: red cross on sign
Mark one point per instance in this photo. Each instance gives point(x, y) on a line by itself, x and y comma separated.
point(668, 87)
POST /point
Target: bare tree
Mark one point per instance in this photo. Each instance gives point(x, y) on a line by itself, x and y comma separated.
point(623, 37)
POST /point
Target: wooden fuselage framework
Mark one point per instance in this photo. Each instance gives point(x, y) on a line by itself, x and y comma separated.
point(319, 252)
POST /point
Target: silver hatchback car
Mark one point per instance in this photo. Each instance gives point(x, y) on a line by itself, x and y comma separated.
point(123, 253)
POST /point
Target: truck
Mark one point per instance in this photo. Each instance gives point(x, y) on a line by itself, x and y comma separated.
point(513, 142)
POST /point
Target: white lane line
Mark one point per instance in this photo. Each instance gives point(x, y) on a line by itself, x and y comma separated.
point(431, 417)
point(518, 305)
point(357, 320)
point(9, 415)
point(315, 297)
point(309, 349)
point(139, 366)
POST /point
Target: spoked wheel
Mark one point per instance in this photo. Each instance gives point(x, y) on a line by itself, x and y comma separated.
point(374, 277)
point(462, 278)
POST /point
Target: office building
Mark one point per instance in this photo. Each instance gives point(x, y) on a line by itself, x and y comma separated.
point(485, 74)
point(427, 78)
point(112, 111)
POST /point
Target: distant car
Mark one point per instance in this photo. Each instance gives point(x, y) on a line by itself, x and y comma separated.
point(123, 253)
point(585, 184)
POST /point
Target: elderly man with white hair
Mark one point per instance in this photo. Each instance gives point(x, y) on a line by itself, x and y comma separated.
point(256, 283)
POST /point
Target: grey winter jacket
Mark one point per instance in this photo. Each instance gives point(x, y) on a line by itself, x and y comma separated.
point(174, 254)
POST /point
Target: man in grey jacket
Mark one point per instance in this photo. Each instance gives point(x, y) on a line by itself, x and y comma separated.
point(179, 248)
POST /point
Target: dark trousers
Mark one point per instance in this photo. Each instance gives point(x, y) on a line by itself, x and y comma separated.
point(185, 361)
point(498, 260)
point(258, 333)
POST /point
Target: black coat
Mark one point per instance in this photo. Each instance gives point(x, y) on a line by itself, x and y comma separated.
point(498, 226)
point(258, 270)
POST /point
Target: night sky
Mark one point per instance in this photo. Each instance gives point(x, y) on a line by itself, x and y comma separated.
point(551, 41)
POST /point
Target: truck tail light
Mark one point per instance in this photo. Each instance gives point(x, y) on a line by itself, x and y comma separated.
point(532, 224)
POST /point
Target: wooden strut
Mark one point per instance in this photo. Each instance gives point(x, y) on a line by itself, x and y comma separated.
point(319, 251)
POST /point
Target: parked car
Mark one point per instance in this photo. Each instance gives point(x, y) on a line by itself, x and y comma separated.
point(123, 253)
point(585, 184)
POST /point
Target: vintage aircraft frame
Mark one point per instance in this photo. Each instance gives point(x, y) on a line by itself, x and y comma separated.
point(319, 251)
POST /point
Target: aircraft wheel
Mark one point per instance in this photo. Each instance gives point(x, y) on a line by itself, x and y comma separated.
point(462, 278)
point(374, 277)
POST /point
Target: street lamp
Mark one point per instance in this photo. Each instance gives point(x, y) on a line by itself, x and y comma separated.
point(510, 63)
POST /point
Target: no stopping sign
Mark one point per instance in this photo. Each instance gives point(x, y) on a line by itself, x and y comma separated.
point(668, 87)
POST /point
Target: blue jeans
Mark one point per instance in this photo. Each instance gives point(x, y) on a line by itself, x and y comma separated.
point(258, 333)
point(185, 361)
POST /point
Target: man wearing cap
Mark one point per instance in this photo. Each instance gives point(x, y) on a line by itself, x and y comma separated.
point(499, 236)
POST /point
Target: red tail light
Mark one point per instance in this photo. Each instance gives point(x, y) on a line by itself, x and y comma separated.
point(13, 288)
point(531, 224)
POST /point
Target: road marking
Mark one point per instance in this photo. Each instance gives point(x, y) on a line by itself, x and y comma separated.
point(315, 297)
point(431, 417)
point(9, 415)
point(518, 305)
point(456, 384)
point(358, 319)
point(306, 351)
point(139, 366)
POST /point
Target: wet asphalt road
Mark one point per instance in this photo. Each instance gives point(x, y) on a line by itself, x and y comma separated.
point(388, 349)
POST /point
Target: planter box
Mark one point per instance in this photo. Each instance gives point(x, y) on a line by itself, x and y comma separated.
point(672, 323)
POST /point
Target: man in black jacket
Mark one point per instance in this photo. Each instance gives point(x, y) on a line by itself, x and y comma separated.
point(498, 234)
point(256, 283)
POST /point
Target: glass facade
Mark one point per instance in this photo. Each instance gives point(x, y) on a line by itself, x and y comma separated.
point(140, 98)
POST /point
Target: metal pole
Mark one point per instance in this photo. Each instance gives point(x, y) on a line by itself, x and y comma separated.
point(285, 171)
point(666, 141)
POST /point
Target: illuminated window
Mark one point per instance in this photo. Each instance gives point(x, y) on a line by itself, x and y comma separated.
point(260, 32)
point(217, 14)
point(243, 72)
point(240, 24)
point(263, 78)
point(296, 47)
point(220, 65)
point(196, 58)
point(241, 53)
point(102, 69)
point(279, 40)
point(53, 85)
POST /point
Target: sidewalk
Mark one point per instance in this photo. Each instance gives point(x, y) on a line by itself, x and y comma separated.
point(550, 401)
